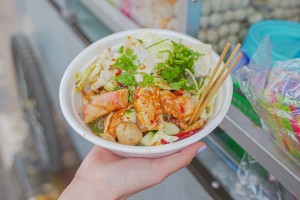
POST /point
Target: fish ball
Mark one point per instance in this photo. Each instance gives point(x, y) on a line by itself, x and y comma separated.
point(129, 133)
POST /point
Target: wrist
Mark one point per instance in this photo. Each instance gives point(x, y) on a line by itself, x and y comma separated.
point(81, 189)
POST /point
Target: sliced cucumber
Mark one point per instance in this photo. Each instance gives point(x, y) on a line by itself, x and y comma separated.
point(159, 135)
point(170, 128)
point(156, 139)
point(94, 126)
point(146, 140)
point(111, 85)
point(130, 116)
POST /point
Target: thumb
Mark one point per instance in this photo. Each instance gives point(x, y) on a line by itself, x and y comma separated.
point(170, 164)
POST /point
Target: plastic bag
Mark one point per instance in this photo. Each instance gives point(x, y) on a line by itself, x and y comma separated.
point(261, 184)
point(273, 88)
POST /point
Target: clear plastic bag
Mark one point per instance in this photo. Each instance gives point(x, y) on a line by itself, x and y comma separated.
point(259, 182)
point(273, 88)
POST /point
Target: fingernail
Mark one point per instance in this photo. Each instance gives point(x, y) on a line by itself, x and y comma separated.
point(202, 149)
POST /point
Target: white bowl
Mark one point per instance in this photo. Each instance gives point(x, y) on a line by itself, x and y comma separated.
point(71, 103)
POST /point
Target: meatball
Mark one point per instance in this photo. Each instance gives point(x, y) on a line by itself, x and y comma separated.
point(129, 133)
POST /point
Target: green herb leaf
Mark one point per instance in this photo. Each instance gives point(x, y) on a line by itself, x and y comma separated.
point(160, 66)
point(182, 84)
point(121, 49)
point(126, 61)
point(147, 80)
point(131, 92)
point(117, 88)
point(126, 79)
point(173, 70)
point(171, 75)
point(140, 41)
point(176, 85)
point(129, 111)
point(183, 56)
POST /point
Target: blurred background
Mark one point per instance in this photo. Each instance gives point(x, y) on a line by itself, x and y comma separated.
point(39, 152)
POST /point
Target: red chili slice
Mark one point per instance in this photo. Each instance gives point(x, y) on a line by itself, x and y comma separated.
point(119, 72)
point(178, 93)
point(164, 141)
point(182, 135)
point(182, 109)
point(186, 134)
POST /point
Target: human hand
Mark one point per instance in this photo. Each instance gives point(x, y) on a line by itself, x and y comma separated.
point(105, 175)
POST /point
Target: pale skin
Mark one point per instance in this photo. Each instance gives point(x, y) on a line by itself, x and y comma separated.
point(105, 175)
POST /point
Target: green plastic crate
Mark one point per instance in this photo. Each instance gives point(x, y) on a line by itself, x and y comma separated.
point(241, 102)
point(234, 149)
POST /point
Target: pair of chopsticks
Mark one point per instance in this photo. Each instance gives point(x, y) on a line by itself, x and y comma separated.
point(215, 83)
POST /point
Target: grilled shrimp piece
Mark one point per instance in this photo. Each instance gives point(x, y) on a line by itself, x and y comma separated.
point(180, 107)
point(115, 120)
point(147, 106)
point(104, 104)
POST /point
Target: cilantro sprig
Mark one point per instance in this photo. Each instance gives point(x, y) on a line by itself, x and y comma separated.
point(173, 69)
point(147, 80)
point(126, 60)
point(140, 41)
point(121, 49)
point(182, 84)
point(126, 79)
point(183, 57)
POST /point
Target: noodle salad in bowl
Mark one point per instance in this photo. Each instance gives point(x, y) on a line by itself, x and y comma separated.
point(145, 92)
point(135, 92)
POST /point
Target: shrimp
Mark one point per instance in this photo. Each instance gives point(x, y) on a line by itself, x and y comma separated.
point(147, 106)
point(104, 104)
point(180, 107)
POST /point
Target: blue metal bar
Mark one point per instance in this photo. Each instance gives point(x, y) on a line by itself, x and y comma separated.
point(193, 17)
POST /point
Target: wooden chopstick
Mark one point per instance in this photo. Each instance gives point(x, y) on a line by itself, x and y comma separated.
point(197, 124)
point(211, 90)
point(226, 64)
point(208, 86)
point(217, 87)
